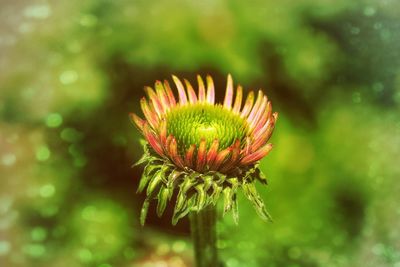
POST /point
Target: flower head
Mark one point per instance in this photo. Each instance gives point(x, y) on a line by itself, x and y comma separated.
point(203, 149)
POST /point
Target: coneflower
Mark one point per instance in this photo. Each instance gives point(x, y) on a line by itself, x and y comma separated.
point(201, 149)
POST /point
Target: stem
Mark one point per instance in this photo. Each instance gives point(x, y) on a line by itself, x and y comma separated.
point(203, 228)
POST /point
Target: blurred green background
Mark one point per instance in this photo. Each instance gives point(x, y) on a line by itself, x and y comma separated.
point(70, 71)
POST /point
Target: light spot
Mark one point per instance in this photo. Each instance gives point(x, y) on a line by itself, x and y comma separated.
point(5, 247)
point(34, 250)
point(88, 20)
point(54, 120)
point(37, 11)
point(38, 234)
point(178, 246)
point(43, 153)
point(369, 11)
point(68, 77)
point(47, 190)
point(355, 30)
point(85, 255)
point(70, 135)
point(8, 159)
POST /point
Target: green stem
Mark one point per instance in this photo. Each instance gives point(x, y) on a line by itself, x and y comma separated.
point(204, 234)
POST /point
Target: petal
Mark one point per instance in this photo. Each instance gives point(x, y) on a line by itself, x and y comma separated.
point(190, 92)
point(201, 155)
point(169, 93)
point(155, 101)
point(256, 106)
point(137, 121)
point(163, 132)
point(238, 99)
point(212, 152)
point(264, 118)
point(259, 113)
point(202, 90)
point(173, 153)
point(149, 114)
point(210, 90)
point(221, 157)
point(162, 96)
point(190, 156)
point(229, 93)
point(152, 139)
point(235, 148)
point(256, 156)
point(181, 90)
point(248, 104)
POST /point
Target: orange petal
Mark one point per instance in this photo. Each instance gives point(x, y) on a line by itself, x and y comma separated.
point(155, 101)
point(137, 121)
point(150, 115)
point(212, 152)
point(173, 153)
point(162, 96)
point(189, 156)
point(169, 93)
point(152, 139)
point(201, 155)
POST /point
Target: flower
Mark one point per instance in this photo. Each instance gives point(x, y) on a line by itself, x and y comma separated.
point(203, 149)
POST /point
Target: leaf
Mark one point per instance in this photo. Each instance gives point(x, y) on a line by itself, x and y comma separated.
point(162, 200)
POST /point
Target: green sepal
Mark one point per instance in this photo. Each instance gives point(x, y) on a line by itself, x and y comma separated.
point(250, 192)
point(227, 200)
point(201, 199)
point(143, 211)
point(163, 197)
point(235, 209)
point(147, 176)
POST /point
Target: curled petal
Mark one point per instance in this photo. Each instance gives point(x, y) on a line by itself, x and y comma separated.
point(201, 155)
point(162, 96)
point(191, 94)
point(212, 152)
point(137, 121)
point(169, 93)
point(181, 90)
point(173, 153)
point(163, 132)
point(202, 90)
point(229, 93)
point(256, 106)
point(190, 156)
point(248, 104)
point(238, 99)
point(258, 113)
point(155, 101)
point(210, 90)
point(221, 157)
point(150, 115)
point(256, 156)
point(152, 139)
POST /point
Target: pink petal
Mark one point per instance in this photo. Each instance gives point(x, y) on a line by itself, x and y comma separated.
point(264, 118)
point(190, 92)
point(238, 99)
point(155, 101)
point(229, 93)
point(152, 139)
point(259, 113)
point(256, 156)
point(202, 90)
point(181, 90)
point(150, 115)
point(137, 120)
point(256, 106)
point(170, 94)
point(162, 96)
point(210, 90)
point(248, 104)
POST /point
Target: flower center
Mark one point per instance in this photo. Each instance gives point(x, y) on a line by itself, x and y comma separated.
point(190, 123)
